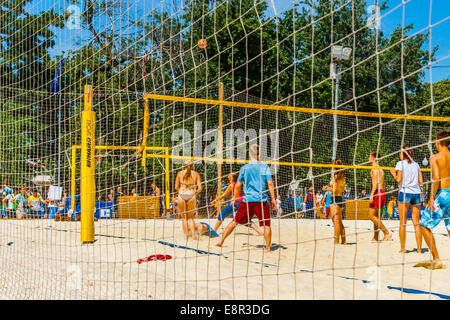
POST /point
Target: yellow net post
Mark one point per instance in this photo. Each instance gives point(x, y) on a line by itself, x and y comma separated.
point(72, 178)
point(166, 163)
point(142, 150)
point(87, 191)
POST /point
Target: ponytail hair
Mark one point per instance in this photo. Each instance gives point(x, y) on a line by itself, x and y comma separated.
point(407, 154)
point(188, 164)
point(375, 154)
point(234, 176)
point(339, 173)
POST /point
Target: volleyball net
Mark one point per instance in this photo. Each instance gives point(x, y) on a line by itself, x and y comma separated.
point(170, 81)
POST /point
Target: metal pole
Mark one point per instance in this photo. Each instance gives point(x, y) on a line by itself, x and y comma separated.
point(220, 145)
point(59, 139)
point(335, 117)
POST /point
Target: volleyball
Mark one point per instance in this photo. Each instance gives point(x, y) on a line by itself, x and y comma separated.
point(202, 43)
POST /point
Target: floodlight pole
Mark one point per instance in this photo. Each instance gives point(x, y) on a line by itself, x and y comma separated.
point(336, 102)
point(59, 138)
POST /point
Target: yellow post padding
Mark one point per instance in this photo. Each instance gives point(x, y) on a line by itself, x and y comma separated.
point(87, 192)
point(72, 179)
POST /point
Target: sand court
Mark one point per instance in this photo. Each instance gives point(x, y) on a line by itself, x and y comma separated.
point(44, 259)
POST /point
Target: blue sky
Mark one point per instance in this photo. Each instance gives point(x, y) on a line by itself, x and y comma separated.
point(416, 12)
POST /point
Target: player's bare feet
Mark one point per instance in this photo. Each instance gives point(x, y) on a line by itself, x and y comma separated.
point(419, 250)
point(268, 249)
point(402, 251)
point(374, 240)
point(387, 236)
point(219, 244)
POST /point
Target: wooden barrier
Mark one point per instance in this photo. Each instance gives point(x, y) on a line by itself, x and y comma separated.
point(145, 207)
point(357, 209)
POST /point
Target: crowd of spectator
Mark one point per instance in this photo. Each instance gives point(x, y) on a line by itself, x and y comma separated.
point(23, 203)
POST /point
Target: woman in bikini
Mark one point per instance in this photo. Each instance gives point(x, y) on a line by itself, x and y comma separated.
point(188, 185)
point(337, 188)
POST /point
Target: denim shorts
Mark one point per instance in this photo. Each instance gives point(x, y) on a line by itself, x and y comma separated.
point(411, 198)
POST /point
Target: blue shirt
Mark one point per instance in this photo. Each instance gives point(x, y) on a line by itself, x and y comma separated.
point(254, 175)
point(299, 203)
point(327, 199)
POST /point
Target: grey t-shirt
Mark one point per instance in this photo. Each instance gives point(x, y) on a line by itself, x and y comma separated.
point(21, 201)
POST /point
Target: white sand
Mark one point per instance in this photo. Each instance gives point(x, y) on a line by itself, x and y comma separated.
point(46, 260)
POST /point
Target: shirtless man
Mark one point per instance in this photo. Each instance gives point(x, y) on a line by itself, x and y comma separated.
point(438, 207)
point(337, 188)
point(377, 198)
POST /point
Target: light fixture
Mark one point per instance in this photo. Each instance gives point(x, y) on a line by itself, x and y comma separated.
point(339, 53)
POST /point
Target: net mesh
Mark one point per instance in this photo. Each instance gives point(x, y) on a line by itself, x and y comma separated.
point(266, 77)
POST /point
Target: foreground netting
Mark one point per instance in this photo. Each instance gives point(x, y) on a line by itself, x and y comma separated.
point(160, 99)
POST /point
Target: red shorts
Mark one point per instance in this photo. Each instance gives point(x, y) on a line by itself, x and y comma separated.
point(379, 200)
point(247, 210)
point(327, 212)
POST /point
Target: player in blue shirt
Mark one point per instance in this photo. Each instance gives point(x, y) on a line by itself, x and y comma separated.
point(254, 176)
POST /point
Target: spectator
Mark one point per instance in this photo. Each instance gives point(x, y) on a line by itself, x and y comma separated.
point(390, 208)
point(9, 205)
point(326, 201)
point(279, 206)
point(20, 200)
point(118, 194)
point(363, 194)
point(309, 200)
point(133, 193)
point(173, 206)
point(52, 207)
point(156, 192)
point(35, 203)
point(318, 203)
point(299, 204)
point(4, 193)
point(2, 206)
point(61, 204)
point(6, 189)
point(111, 196)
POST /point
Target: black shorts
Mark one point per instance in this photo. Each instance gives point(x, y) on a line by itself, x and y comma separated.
point(338, 200)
